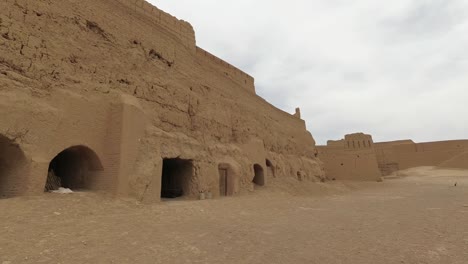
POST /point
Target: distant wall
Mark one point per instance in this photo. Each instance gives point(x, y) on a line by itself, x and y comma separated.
point(459, 161)
point(358, 141)
point(336, 143)
point(428, 154)
point(386, 157)
point(406, 154)
point(352, 158)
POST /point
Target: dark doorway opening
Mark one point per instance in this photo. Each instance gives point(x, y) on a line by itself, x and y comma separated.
point(76, 168)
point(259, 178)
point(223, 182)
point(12, 168)
point(270, 169)
point(227, 180)
point(176, 177)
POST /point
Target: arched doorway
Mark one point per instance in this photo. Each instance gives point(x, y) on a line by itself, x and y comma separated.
point(226, 180)
point(259, 178)
point(270, 169)
point(12, 168)
point(77, 168)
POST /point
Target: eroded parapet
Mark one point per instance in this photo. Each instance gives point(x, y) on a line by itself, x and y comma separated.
point(298, 113)
point(179, 28)
point(184, 31)
point(358, 141)
point(231, 72)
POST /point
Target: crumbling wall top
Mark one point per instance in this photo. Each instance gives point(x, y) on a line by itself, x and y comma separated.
point(235, 74)
point(179, 28)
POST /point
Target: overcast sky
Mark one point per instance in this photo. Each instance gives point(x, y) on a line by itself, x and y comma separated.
point(395, 69)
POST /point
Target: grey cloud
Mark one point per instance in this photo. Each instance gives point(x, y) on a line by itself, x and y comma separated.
point(425, 18)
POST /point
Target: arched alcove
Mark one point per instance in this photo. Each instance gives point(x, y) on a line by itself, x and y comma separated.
point(259, 178)
point(12, 168)
point(77, 168)
point(270, 169)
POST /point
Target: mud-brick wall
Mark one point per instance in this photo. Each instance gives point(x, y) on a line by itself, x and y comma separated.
point(131, 128)
point(179, 28)
point(51, 124)
point(428, 154)
point(13, 167)
point(459, 161)
point(359, 165)
point(109, 126)
point(230, 72)
point(386, 157)
point(112, 146)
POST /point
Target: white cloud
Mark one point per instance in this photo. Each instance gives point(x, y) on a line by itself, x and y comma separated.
point(396, 69)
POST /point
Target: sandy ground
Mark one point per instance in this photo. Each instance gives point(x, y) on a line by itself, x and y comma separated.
point(419, 216)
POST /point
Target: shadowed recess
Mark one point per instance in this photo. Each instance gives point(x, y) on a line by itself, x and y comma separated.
point(176, 177)
point(77, 168)
point(12, 163)
point(259, 178)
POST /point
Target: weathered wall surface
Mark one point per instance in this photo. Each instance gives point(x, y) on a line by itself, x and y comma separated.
point(352, 158)
point(459, 161)
point(400, 155)
point(386, 157)
point(428, 154)
point(126, 80)
point(230, 72)
point(178, 28)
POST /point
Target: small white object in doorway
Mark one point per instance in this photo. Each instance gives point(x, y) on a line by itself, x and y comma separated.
point(62, 190)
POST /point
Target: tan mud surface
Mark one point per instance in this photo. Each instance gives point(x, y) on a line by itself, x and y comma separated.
point(415, 219)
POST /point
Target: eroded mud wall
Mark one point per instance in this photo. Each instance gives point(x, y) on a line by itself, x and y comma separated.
point(127, 81)
point(407, 154)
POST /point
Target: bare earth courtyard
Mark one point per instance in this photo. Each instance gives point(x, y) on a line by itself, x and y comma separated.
point(420, 217)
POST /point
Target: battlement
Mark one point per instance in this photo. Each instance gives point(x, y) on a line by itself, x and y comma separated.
point(179, 28)
point(238, 76)
point(358, 141)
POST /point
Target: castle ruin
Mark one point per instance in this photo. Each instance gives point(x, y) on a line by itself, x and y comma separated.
point(115, 96)
point(357, 157)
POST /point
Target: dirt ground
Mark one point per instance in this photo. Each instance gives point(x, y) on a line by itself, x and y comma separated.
point(417, 216)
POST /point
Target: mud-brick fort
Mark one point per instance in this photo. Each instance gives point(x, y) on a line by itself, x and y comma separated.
point(115, 96)
point(357, 157)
